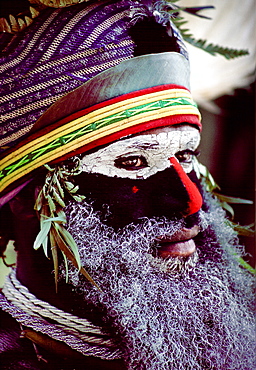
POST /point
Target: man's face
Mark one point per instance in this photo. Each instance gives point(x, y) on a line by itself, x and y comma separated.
point(135, 177)
point(138, 180)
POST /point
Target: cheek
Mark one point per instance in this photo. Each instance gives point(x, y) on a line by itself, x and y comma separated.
point(162, 194)
point(120, 201)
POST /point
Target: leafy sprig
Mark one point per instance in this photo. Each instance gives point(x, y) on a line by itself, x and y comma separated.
point(179, 22)
point(49, 205)
point(212, 49)
point(225, 201)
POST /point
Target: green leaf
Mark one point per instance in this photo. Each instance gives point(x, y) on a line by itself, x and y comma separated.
point(212, 49)
point(242, 262)
point(225, 198)
point(203, 172)
point(68, 239)
point(228, 208)
point(42, 236)
point(246, 230)
point(51, 204)
point(78, 198)
point(54, 250)
point(66, 265)
point(69, 185)
point(39, 201)
point(49, 168)
point(57, 197)
point(58, 219)
point(60, 213)
point(246, 265)
point(180, 22)
point(62, 245)
point(45, 246)
point(60, 190)
point(74, 190)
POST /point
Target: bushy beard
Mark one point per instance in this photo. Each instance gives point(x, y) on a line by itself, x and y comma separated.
point(192, 313)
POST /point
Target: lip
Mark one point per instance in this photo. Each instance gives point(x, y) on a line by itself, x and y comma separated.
point(180, 244)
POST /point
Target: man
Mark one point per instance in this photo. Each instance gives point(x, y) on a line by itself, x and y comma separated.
point(106, 182)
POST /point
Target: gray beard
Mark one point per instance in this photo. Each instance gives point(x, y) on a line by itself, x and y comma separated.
point(194, 313)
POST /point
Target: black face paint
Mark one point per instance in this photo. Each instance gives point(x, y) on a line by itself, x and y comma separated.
point(129, 200)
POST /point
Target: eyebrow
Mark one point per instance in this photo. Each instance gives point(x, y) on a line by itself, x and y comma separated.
point(144, 145)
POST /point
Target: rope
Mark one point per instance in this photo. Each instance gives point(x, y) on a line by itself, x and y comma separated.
point(81, 328)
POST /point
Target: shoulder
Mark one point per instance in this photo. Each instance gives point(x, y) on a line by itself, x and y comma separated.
point(15, 352)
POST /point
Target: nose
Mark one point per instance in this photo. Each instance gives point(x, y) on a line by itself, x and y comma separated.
point(195, 200)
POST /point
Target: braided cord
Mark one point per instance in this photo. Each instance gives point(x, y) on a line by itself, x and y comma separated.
point(79, 333)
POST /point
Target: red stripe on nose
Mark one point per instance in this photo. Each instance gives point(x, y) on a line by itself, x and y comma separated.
point(195, 199)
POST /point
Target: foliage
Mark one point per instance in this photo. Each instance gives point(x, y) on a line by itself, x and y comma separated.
point(224, 200)
point(49, 205)
point(216, 49)
point(210, 48)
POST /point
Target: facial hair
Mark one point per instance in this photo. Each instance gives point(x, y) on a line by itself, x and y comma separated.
point(190, 313)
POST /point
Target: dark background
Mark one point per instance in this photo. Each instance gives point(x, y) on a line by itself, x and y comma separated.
point(228, 150)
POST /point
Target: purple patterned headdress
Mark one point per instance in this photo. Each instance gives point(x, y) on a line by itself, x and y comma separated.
point(62, 49)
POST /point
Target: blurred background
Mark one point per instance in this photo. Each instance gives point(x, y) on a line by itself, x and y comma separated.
point(225, 92)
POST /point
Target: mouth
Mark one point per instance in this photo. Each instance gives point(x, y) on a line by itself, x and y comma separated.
point(180, 244)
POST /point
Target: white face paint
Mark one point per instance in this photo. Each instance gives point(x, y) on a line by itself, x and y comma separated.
point(143, 155)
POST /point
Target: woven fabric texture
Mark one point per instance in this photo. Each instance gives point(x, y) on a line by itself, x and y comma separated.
point(62, 49)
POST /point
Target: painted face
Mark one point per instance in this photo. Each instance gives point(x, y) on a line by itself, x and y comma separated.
point(147, 175)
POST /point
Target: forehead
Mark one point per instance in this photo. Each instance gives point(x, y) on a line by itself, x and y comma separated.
point(166, 136)
point(171, 137)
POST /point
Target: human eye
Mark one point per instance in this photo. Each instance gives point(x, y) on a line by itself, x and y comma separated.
point(186, 156)
point(131, 163)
